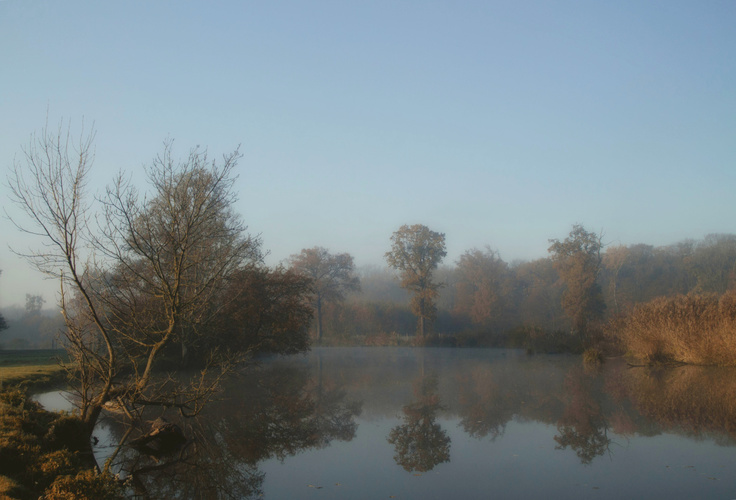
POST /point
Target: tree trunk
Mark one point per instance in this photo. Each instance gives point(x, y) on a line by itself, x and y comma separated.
point(184, 355)
point(90, 419)
point(422, 314)
point(319, 320)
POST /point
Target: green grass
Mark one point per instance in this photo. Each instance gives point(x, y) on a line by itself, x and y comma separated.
point(32, 357)
point(32, 369)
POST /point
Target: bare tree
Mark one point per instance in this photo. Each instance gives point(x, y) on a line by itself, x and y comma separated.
point(332, 275)
point(48, 184)
point(416, 251)
point(174, 253)
point(150, 275)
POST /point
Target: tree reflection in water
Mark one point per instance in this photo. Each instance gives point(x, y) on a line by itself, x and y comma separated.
point(485, 406)
point(280, 411)
point(420, 442)
point(689, 400)
point(582, 426)
point(281, 414)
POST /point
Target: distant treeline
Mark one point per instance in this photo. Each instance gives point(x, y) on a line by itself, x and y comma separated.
point(487, 301)
point(31, 327)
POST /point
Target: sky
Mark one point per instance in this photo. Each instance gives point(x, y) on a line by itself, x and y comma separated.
point(495, 123)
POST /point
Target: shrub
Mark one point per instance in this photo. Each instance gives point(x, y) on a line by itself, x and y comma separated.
point(55, 463)
point(86, 485)
point(39, 449)
point(592, 357)
point(68, 431)
point(11, 489)
point(20, 442)
point(14, 398)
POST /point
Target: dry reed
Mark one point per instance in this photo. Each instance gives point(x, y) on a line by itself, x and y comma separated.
point(692, 329)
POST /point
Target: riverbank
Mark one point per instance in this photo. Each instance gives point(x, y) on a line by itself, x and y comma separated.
point(43, 454)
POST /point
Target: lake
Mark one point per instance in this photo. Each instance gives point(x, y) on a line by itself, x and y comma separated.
point(409, 423)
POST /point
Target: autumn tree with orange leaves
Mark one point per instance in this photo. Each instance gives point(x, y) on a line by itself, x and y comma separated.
point(416, 251)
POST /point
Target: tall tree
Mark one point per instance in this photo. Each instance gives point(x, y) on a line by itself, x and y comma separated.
point(157, 272)
point(578, 261)
point(34, 304)
point(332, 275)
point(482, 287)
point(174, 251)
point(416, 251)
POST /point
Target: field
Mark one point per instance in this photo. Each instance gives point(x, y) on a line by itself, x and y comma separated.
point(31, 368)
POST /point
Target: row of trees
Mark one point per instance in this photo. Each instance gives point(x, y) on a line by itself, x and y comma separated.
point(581, 284)
point(31, 326)
point(416, 251)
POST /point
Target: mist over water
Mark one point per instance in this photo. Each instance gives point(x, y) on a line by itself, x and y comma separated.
point(454, 423)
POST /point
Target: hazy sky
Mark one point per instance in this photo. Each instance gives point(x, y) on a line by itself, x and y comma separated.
point(497, 123)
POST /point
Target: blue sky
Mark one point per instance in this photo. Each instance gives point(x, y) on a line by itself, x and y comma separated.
point(497, 123)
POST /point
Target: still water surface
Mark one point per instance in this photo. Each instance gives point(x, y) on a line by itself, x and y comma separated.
point(410, 423)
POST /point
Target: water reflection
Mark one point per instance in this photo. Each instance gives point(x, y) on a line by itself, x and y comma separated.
point(273, 412)
point(507, 417)
point(583, 426)
point(420, 442)
point(694, 401)
point(485, 405)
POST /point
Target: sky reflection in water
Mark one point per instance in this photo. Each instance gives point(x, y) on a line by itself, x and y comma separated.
point(507, 416)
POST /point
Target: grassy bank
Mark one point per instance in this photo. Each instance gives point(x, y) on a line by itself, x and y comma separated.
point(43, 454)
point(46, 455)
point(32, 378)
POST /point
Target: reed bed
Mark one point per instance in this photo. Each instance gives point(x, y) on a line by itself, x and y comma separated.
point(692, 329)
